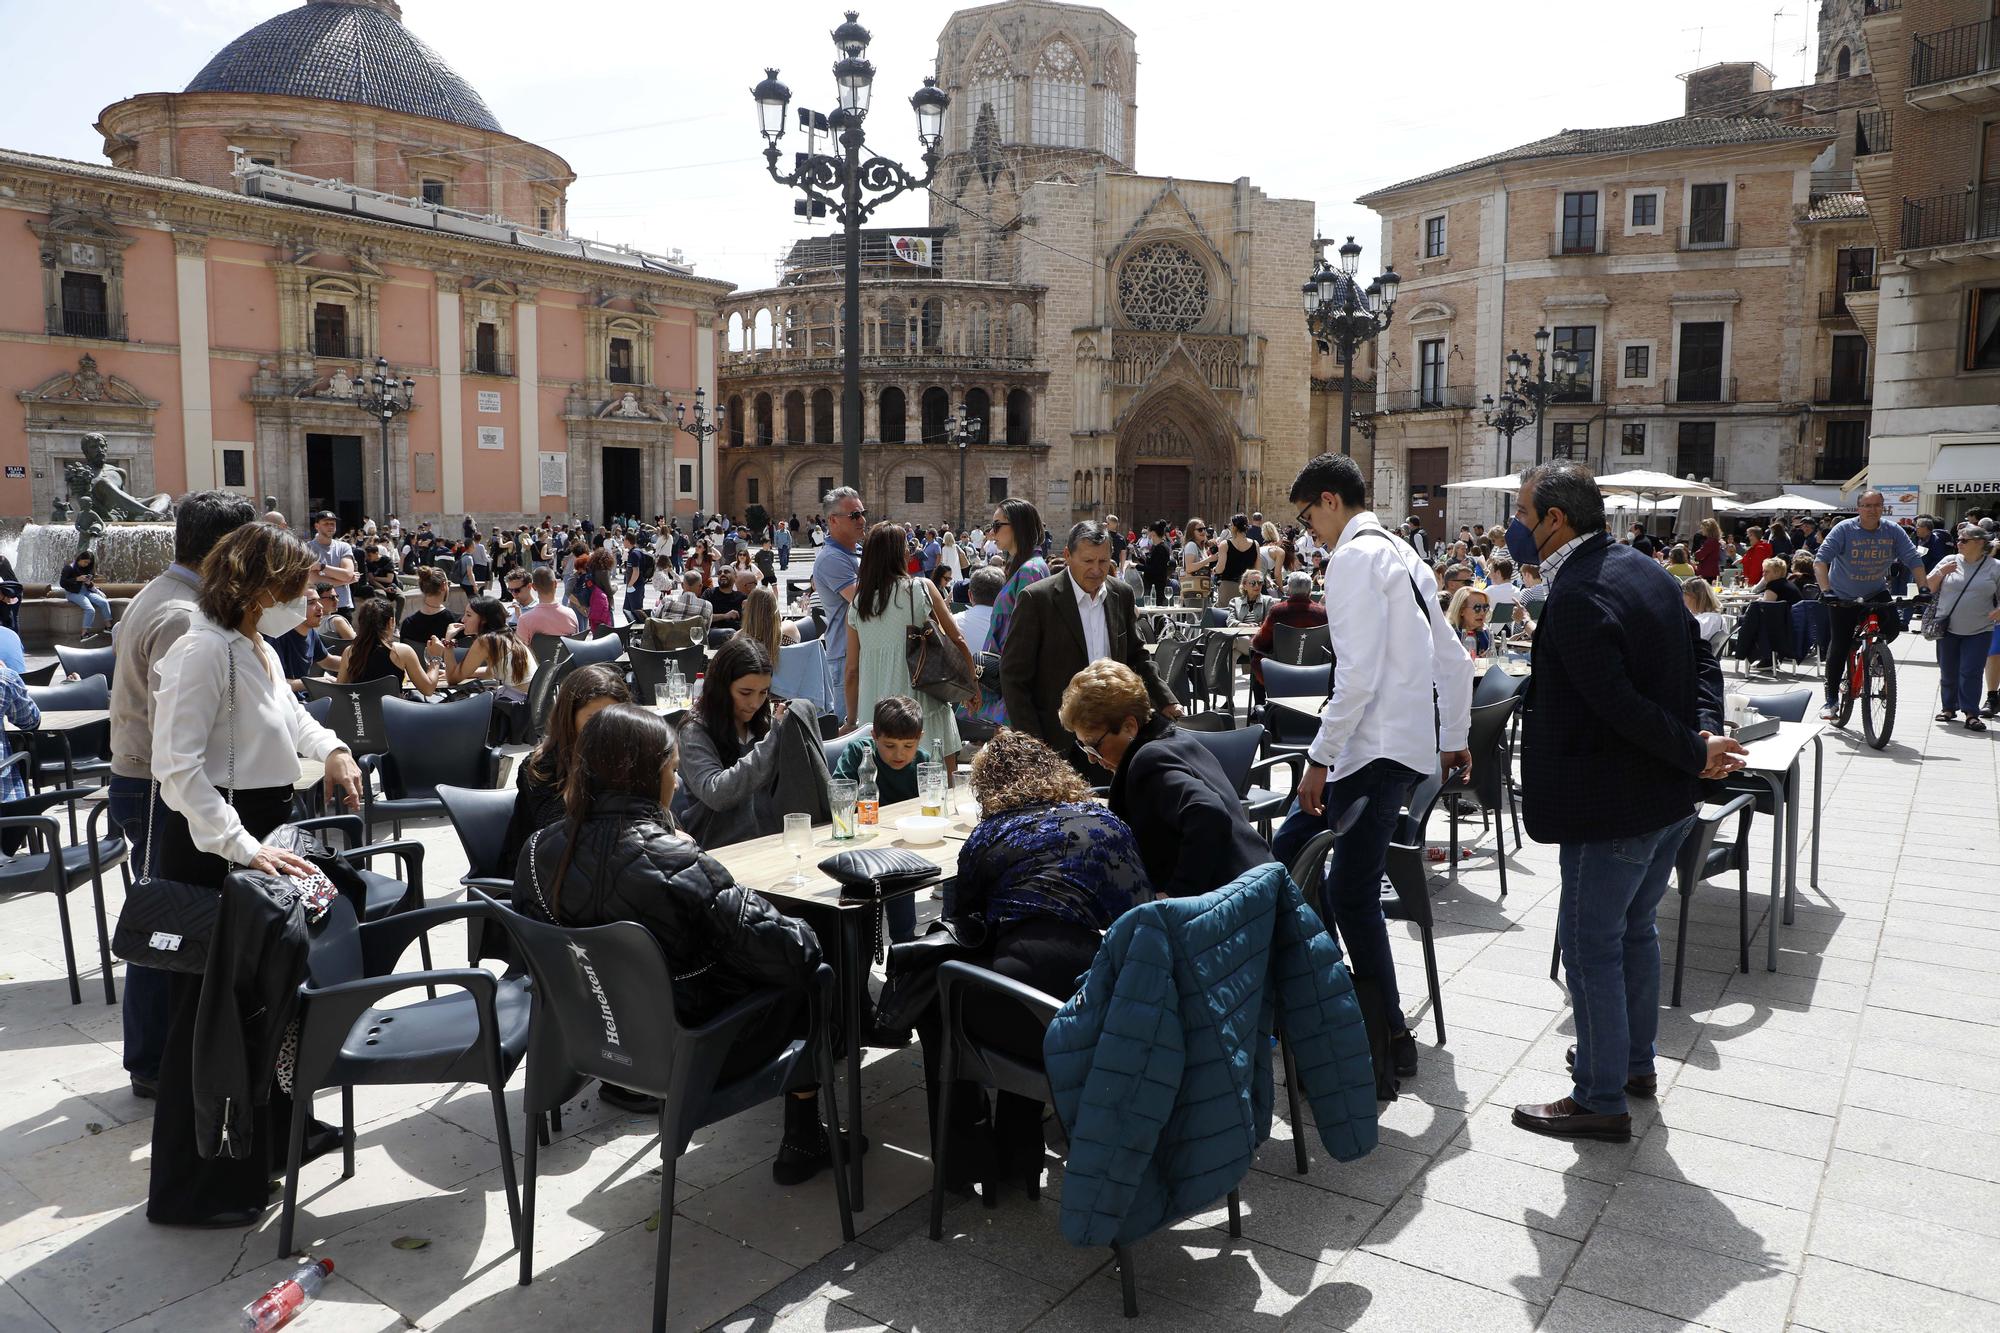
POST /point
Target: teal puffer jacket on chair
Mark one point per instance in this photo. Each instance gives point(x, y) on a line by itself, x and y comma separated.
point(1160, 1065)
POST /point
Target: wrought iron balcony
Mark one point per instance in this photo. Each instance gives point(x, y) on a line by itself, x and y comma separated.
point(1711, 236)
point(1569, 244)
point(1952, 219)
point(1839, 464)
point(1833, 305)
point(336, 346)
point(1439, 397)
point(1700, 388)
point(1874, 132)
point(1957, 67)
point(1843, 391)
point(490, 363)
point(88, 324)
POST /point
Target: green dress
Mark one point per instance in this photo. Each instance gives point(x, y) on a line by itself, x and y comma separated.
point(885, 665)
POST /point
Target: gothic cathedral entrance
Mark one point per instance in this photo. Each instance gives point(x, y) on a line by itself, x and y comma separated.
point(1161, 490)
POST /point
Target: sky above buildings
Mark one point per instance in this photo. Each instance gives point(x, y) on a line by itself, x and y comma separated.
point(650, 102)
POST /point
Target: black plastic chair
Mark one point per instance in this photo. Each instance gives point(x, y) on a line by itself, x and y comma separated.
point(1407, 887)
point(545, 647)
point(50, 866)
point(433, 745)
point(1492, 781)
point(1787, 706)
point(1174, 661)
point(1236, 749)
point(476, 1033)
point(1293, 646)
point(357, 711)
point(1209, 721)
point(964, 1057)
point(1496, 685)
point(383, 896)
point(589, 652)
point(1282, 681)
point(586, 979)
point(649, 673)
point(480, 818)
point(41, 675)
point(836, 747)
point(87, 662)
point(80, 752)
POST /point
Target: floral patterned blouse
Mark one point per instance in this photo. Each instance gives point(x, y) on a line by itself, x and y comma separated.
point(992, 708)
point(1071, 861)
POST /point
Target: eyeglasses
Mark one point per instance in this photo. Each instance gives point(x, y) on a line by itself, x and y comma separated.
point(1001, 523)
point(1478, 610)
point(853, 513)
point(1305, 516)
point(1090, 747)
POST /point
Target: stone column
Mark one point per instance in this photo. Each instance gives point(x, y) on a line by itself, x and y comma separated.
point(450, 404)
point(197, 414)
point(528, 362)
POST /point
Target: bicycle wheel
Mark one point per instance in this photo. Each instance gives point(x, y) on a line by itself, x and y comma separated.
point(1878, 698)
point(1845, 699)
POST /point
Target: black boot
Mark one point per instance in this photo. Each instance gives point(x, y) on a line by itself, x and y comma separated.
point(804, 1152)
point(1992, 708)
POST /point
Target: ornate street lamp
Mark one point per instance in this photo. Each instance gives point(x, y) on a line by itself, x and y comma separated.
point(962, 431)
point(1541, 388)
point(701, 427)
point(1341, 314)
point(385, 398)
point(850, 189)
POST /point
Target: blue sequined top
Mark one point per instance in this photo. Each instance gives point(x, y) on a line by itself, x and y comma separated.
point(1074, 861)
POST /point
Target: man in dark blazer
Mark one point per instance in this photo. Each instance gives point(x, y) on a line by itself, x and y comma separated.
point(1623, 719)
point(1063, 624)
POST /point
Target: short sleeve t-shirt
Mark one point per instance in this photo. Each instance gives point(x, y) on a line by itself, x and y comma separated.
point(330, 556)
point(1858, 560)
point(835, 569)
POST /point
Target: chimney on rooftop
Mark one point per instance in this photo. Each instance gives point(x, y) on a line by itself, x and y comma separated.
point(1725, 89)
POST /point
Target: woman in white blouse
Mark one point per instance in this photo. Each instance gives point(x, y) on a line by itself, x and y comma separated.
point(226, 757)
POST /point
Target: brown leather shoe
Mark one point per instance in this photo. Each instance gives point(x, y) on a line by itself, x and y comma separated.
point(1566, 1120)
point(1639, 1085)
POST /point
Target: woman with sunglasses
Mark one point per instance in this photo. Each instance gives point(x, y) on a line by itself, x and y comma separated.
point(1467, 614)
point(1967, 588)
point(1181, 807)
point(1017, 530)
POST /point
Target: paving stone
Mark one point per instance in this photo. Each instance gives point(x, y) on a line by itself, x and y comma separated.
point(921, 1286)
point(1491, 1129)
point(1099, 1304)
point(1373, 1294)
point(17, 1314)
point(1678, 1280)
point(1760, 1233)
point(1750, 1080)
point(1838, 1298)
point(1502, 1256)
point(1906, 1247)
point(1914, 1191)
point(1566, 1205)
point(1921, 1141)
point(1576, 1311)
point(1939, 1101)
point(1288, 1214)
point(815, 1316)
point(1756, 1123)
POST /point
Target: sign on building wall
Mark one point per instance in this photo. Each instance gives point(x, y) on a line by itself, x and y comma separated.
point(1058, 497)
point(913, 250)
point(555, 474)
point(489, 400)
point(1901, 501)
point(492, 437)
point(425, 471)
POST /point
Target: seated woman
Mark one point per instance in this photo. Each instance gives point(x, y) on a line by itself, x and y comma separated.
point(1766, 631)
point(538, 782)
point(1699, 598)
point(617, 856)
point(377, 652)
point(1679, 565)
point(1776, 584)
point(1253, 605)
point(495, 652)
point(1166, 786)
point(1049, 870)
point(748, 762)
point(1467, 614)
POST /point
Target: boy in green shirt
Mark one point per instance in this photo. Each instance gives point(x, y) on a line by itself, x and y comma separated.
point(899, 727)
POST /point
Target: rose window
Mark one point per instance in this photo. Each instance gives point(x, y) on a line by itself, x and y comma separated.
point(1162, 287)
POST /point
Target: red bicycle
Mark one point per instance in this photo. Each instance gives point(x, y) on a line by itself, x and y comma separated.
point(1870, 678)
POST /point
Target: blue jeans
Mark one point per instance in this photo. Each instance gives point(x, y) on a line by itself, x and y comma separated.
point(1961, 662)
point(1611, 956)
point(900, 914)
point(1353, 885)
point(146, 1008)
point(96, 607)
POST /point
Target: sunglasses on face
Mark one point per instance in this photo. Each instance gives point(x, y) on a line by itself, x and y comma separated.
point(1090, 748)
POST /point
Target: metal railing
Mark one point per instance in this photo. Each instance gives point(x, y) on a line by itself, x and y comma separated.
point(489, 363)
point(88, 324)
point(1833, 304)
point(336, 346)
point(1952, 219)
point(1435, 398)
point(1955, 53)
point(1712, 236)
point(1701, 389)
point(632, 374)
point(1574, 243)
point(1843, 390)
point(1835, 182)
point(1874, 132)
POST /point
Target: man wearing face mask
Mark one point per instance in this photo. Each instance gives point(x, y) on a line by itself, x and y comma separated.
point(1402, 703)
point(1623, 716)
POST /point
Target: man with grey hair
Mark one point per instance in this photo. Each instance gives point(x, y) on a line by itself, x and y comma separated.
point(1623, 720)
point(835, 570)
point(1063, 624)
point(1853, 565)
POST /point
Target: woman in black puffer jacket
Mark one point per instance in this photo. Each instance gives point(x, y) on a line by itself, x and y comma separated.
point(619, 857)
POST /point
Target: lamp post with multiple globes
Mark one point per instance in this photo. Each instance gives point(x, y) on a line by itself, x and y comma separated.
point(1342, 315)
point(384, 397)
point(701, 426)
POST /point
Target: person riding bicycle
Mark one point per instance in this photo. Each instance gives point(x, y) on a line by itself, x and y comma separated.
point(1853, 565)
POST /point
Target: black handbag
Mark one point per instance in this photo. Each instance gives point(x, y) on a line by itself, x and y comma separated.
point(870, 874)
point(168, 924)
point(912, 986)
point(1936, 622)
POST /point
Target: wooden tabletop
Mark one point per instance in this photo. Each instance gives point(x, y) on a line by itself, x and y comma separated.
point(67, 719)
point(764, 863)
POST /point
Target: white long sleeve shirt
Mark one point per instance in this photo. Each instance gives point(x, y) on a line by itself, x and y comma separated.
point(191, 731)
point(1387, 661)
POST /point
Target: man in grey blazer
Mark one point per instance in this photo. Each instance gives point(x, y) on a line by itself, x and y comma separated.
point(1063, 624)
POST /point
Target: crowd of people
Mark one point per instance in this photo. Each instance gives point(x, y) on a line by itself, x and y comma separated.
point(1093, 797)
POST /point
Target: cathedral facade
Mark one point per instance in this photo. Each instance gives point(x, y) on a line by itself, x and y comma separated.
point(1128, 344)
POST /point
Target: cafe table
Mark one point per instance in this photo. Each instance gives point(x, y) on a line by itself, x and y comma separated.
point(1171, 610)
point(61, 723)
point(1774, 761)
point(765, 864)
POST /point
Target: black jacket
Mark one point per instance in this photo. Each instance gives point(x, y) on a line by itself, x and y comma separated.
point(1185, 814)
point(1045, 649)
point(722, 941)
point(249, 994)
point(1623, 684)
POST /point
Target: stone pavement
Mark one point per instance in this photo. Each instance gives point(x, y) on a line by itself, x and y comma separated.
point(1823, 1156)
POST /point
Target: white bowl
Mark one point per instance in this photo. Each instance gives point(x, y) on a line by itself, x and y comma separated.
point(922, 830)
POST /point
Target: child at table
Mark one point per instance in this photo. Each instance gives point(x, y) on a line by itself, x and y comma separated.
point(896, 743)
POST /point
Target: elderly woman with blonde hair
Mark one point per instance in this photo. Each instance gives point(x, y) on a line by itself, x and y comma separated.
point(1181, 806)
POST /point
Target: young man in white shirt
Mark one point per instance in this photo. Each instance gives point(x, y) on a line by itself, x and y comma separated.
point(1401, 704)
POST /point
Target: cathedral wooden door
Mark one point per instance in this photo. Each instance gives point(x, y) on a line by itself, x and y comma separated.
point(1160, 490)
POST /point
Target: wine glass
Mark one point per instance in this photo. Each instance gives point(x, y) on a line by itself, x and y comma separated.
point(798, 841)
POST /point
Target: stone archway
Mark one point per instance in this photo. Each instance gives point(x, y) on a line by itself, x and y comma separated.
point(1178, 453)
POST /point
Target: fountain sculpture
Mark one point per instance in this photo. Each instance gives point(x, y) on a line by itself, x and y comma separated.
point(132, 538)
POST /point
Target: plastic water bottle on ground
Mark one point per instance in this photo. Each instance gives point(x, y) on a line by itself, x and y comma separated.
point(277, 1307)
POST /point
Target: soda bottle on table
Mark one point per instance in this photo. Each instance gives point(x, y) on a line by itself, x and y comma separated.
point(867, 795)
point(276, 1307)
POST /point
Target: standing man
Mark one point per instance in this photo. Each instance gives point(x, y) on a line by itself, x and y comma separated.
point(1118, 539)
point(1401, 705)
point(1063, 624)
point(784, 542)
point(1853, 564)
point(158, 615)
point(835, 569)
point(1623, 717)
point(336, 558)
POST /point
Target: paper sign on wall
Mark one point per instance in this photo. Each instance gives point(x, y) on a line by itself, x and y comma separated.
point(492, 437)
point(489, 400)
point(1900, 501)
point(555, 474)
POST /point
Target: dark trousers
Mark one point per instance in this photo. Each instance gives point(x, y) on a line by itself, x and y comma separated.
point(1961, 661)
point(1353, 885)
point(184, 1187)
point(1052, 957)
point(1845, 627)
point(147, 993)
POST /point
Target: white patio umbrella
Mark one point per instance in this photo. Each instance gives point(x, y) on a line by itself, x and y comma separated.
point(1659, 484)
point(1510, 482)
point(1791, 504)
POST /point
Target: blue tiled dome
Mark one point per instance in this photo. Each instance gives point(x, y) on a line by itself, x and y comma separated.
point(345, 51)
